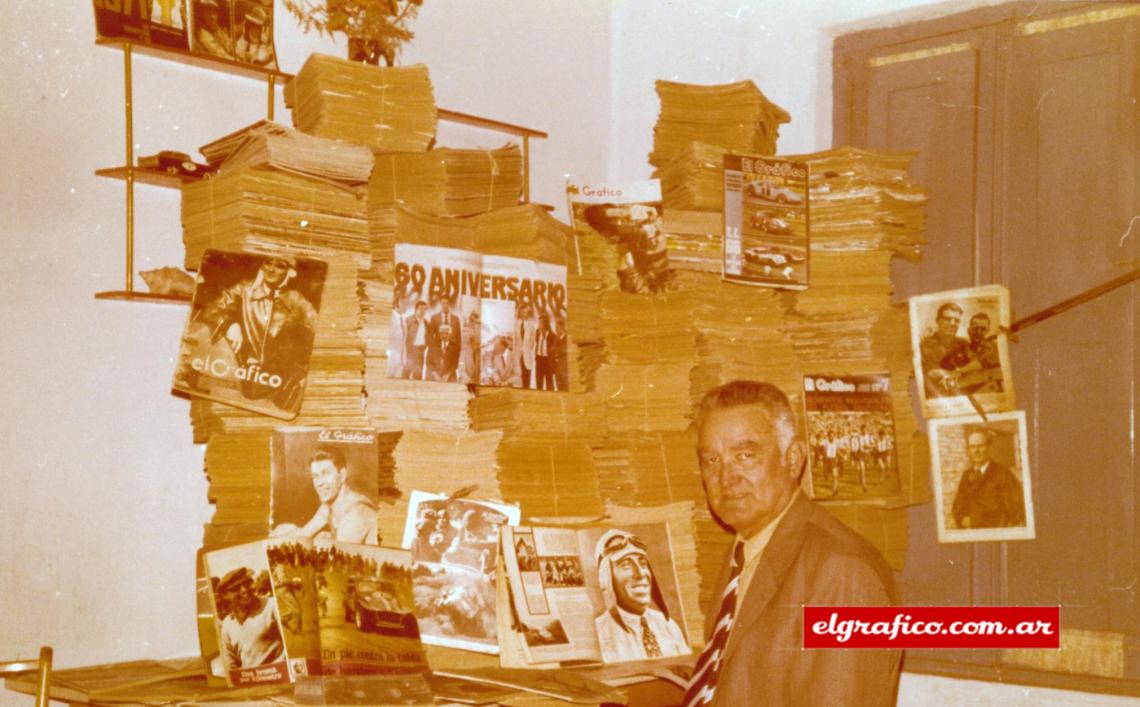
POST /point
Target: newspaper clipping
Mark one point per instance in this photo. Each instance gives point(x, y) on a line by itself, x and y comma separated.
point(960, 351)
point(628, 216)
point(455, 548)
point(250, 333)
point(982, 489)
point(851, 431)
point(595, 593)
point(478, 319)
point(766, 216)
point(325, 484)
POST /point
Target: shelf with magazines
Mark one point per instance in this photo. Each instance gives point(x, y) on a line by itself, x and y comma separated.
point(131, 173)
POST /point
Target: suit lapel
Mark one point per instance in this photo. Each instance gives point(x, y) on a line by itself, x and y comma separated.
point(772, 566)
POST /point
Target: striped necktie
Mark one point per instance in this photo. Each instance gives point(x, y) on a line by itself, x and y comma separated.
point(702, 687)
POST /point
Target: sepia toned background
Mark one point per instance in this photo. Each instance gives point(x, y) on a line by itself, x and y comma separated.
point(104, 496)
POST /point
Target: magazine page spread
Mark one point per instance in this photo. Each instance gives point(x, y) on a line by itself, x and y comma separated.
point(455, 547)
point(851, 431)
point(249, 337)
point(325, 484)
point(628, 216)
point(367, 610)
point(766, 217)
point(464, 317)
point(595, 593)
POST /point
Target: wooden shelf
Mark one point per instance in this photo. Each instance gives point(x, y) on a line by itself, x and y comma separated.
point(204, 61)
point(124, 296)
point(148, 175)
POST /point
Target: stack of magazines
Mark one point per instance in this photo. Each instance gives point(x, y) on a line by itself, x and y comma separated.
point(447, 181)
point(388, 109)
point(734, 116)
point(693, 178)
point(263, 209)
point(269, 144)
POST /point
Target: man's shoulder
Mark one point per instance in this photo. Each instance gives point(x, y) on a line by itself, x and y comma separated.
point(830, 543)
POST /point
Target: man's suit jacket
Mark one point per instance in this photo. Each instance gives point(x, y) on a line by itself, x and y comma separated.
point(812, 559)
point(991, 500)
point(443, 351)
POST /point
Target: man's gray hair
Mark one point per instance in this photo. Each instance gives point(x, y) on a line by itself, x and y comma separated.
point(739, 393)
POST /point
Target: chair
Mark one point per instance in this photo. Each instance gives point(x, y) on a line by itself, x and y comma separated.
point(42, 667)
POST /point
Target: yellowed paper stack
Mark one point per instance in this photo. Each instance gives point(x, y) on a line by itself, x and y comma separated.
point(734, 116)
point(559, 417)
point(694, 239)
point(266, 144)
point(447, 181)
point(389, 109)
point(693, 178)
point(865, 200)
point(549, 478)
point(444, 462)
point(264, 210)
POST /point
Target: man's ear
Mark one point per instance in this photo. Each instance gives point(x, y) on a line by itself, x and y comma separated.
point(795, 458)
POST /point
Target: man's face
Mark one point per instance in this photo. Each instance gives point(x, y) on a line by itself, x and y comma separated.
point(241, 599)
point(978, 448)
point(274, 272)
point(948, 322)
point(421, 309)
point(747, 479)
point(327, 479)
point(445, 305)
point(633, 583)
point(979, 327)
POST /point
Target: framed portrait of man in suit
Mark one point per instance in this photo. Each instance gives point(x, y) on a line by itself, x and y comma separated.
point(982, 485)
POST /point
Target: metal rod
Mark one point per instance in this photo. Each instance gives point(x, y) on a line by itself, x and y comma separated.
point(272, 81)
point(1086, 296)
point(526, 168)
point(128, 106)
point(43, 690)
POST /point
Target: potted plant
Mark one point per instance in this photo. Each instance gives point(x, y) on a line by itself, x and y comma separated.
point(375, 28)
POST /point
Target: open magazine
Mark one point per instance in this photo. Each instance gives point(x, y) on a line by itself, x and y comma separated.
point(590, 594)
point(455, 548)
point(459, 315)
point(289, 607)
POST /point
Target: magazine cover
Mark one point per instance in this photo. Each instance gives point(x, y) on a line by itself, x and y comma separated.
point(156, 22)
point(325, 484)
point(766, 216)
point(478, 319)
point(455, 547)
point(851, 432)
point(367, 610)
point(595, 593)
point(961, 357)
point(251, 634)
point(980, 468)
point(250, 333)
point(235, 30)
point(628, 216)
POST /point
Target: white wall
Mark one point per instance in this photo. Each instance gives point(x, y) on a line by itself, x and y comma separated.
point(104, 494)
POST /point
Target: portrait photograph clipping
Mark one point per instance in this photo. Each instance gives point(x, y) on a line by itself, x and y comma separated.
point(960, 350)
point(249, 337)
point(981, 478)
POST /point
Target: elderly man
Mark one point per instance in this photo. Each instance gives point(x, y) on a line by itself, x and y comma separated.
point(250, 635)
point(631, 628)
point(789, 553)
point(989, 495)
point(344, 515)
